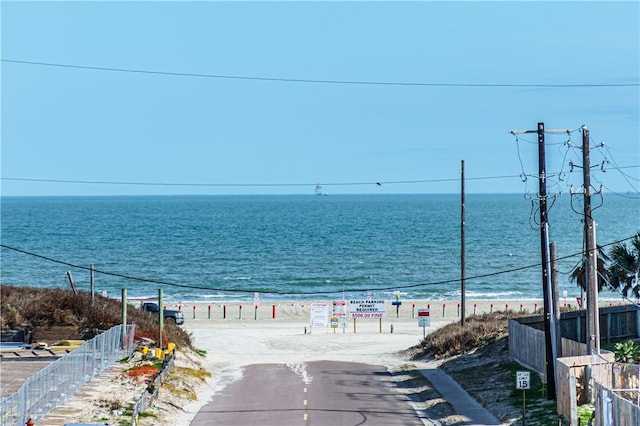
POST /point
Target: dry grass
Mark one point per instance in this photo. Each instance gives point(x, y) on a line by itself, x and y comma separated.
point(453, 339)
point(57, 314)
point(477, 357)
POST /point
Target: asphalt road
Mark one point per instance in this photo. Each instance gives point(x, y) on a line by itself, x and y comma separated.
point(318, 393)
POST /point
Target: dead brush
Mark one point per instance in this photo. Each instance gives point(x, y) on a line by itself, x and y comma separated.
point(110, 404)
point(32, 308)
point(454, 339)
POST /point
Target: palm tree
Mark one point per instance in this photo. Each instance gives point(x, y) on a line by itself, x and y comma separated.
point(578, 277)
point(625, 267)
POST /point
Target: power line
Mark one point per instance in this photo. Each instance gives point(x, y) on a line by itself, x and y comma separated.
point(378, 183)
point(315, 81)
point(242, 290)
point(617, 290)
point(289, 184)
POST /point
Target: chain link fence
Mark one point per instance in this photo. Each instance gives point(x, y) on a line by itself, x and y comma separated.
point(56, 382)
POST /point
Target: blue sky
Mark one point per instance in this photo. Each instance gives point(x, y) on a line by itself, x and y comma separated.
point(257, 136)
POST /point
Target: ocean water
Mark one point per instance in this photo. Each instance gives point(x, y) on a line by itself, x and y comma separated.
point(298, 247)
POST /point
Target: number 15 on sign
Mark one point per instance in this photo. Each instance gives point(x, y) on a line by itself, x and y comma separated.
point(522, 380)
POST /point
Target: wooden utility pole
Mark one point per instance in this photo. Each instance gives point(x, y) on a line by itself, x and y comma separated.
point(462, 247)
point(590, 256)
point(546, 275)
point(555, 291)
point(549, 316)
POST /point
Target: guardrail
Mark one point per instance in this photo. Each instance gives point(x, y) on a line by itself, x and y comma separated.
point(56, 382)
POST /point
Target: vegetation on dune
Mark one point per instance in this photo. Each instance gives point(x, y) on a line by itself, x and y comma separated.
point(57, 314)
point(619, 269)
point(477, 357)
point(454, 339)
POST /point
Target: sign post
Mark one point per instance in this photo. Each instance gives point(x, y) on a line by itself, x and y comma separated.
point(424, 320)
point(523, 382)
point(366, 309)
point(397, 304)
point(340, 314)
point(256, 303)
point(318, 315)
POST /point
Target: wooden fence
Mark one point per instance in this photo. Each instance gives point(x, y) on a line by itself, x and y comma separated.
point(578, 375)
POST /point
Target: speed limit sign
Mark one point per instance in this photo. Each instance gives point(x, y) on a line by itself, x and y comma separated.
point(522, 380)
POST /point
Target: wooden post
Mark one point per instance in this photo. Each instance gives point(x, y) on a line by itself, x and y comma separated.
point(124, 318)
point(160, 317)
point(590, 264)
point(555, 296)
point(462, 237)
point(73, 284)
point(92, 285)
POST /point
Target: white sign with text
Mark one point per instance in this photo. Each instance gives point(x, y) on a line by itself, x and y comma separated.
point(367, 309)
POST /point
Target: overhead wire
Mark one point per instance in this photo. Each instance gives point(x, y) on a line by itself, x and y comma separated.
point(553, 179)
point(289, 184)
point(617, 290)
point(313, 81)
point(609, 154)
point(288, 292)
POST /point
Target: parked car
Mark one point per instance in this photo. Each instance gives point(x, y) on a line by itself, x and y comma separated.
point(168, 314)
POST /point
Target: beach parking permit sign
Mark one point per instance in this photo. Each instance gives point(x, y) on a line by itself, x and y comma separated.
point(366, 309)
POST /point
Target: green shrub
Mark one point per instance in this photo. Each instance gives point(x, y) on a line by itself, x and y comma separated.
point(627, 352)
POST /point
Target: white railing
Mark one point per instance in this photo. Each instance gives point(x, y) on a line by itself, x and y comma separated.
point(56, 382)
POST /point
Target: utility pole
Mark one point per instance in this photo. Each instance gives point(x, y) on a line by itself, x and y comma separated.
point(590, 256)
point(556, 298)
point(462, 248)
point(546, 273)
point(549, 316)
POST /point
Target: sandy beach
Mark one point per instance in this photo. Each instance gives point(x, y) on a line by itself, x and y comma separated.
point(282, 332)
point(235, 337)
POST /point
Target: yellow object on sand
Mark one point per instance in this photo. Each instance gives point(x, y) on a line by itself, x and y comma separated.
point(69, 343)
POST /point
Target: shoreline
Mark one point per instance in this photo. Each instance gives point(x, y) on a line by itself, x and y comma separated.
point(300, 309)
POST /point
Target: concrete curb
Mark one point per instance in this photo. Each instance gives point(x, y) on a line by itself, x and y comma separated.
point(464, 405)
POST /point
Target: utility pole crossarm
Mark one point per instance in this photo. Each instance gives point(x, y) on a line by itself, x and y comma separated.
point(546, 131)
